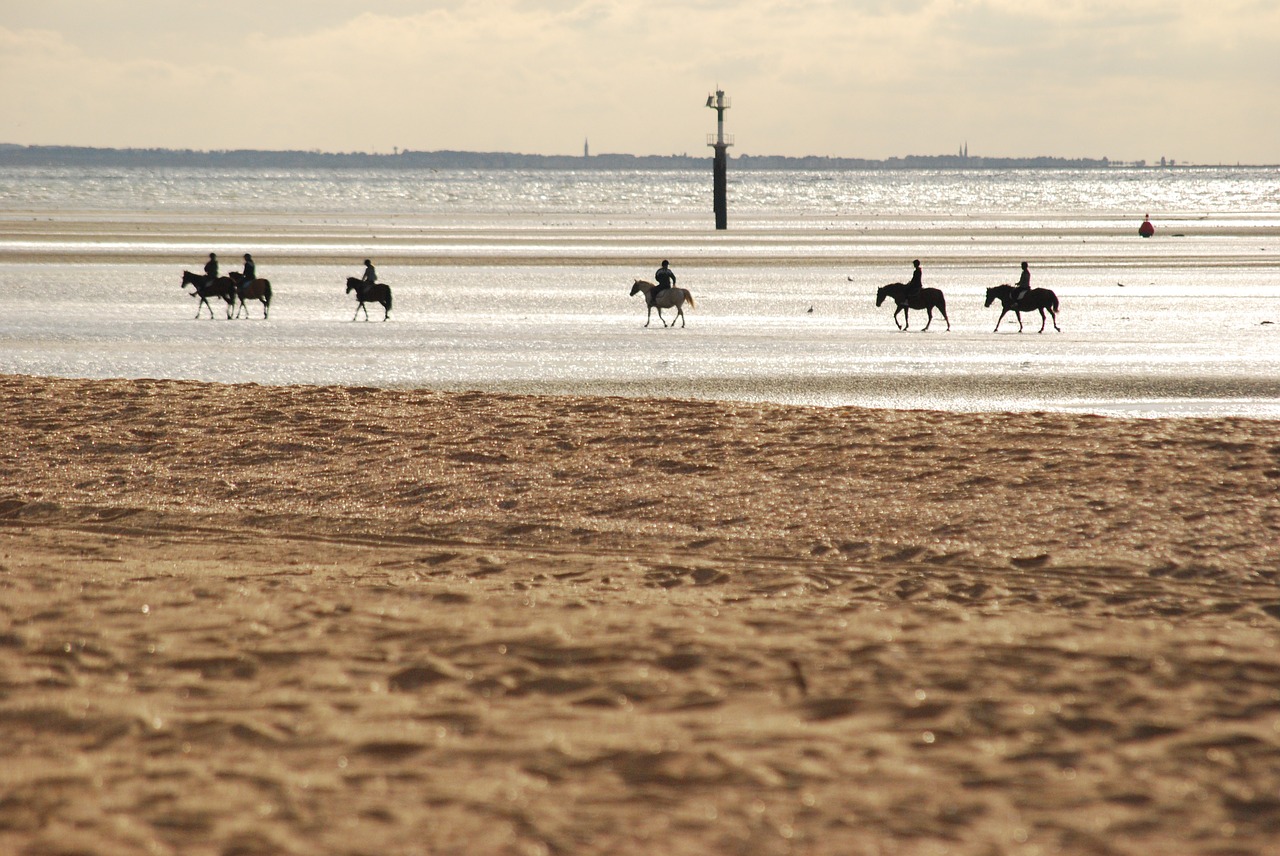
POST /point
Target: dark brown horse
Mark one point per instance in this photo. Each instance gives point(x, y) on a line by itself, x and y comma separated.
point(377, 292)
point(1037, 299)
point(220, 287)
point(258, 289)
point(928, 299)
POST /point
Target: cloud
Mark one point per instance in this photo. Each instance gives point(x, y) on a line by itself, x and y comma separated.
point(844, 77)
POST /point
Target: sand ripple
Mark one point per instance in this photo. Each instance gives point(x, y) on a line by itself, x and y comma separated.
point(333, 620)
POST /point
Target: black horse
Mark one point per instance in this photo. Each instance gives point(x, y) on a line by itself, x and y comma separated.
point(928, 299)
point(257, 289)
point(220, 287)
point(1037, 298)
point(377, 292)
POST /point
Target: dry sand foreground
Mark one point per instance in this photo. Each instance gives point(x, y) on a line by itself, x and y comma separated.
point(241, 620)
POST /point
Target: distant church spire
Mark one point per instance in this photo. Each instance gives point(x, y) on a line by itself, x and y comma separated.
point(586, 148)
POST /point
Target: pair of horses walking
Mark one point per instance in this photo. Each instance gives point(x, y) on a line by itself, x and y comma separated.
point(232, 288)
point(929, 299)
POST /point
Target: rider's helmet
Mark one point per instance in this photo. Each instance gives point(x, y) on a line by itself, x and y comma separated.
point(366, 261)
point(247, 257)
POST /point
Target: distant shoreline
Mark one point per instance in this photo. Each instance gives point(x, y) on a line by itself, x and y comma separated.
point(17, 155)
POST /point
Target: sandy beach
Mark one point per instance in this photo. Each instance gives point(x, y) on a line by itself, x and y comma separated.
point(244, 619)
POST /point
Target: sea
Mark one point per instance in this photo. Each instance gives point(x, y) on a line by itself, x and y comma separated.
point(520, 280)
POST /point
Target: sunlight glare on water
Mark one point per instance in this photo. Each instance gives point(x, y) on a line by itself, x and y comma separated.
point(519, 281)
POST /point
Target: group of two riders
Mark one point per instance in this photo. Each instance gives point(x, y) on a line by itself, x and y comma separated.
point(915, 286)
point(249, 275)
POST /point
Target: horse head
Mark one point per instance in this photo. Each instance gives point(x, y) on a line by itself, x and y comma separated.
point(352, 284)
point(997, 292)
point(640, 285)
point(880, 294)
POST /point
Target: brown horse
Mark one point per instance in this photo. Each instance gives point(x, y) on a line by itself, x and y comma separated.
point(1036, 299)
point(668, 298)
point(378, 292)
point(258, 289)
point(220, 287)
point(928, 299)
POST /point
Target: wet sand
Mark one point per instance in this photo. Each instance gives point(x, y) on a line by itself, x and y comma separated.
point(246, 619)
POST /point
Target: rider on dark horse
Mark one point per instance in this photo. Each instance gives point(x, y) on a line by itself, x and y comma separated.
point(211, 269)
point(1022, 288)
point(664, 278)
point(250, 272)
point(370, 275)
point(916, 285)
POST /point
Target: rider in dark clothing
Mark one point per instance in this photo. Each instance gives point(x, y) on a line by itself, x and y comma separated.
point(370, 275)
point(1024, 285)
point(916, 285)
point(250, 270)
point(211, 268)
point(664, 277)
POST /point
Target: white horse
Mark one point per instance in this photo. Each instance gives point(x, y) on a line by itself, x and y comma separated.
point(668, 298)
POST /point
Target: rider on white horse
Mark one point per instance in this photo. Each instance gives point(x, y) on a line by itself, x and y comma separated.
point(665, 277)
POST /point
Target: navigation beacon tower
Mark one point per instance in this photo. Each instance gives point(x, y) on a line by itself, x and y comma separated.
point(720, 143)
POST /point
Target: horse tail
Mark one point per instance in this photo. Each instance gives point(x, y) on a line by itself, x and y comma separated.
point(1055, 300)
point(266, 289)
point(388, 298)
point(689, 294)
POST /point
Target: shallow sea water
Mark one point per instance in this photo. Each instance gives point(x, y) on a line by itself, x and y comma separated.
point(506, 292)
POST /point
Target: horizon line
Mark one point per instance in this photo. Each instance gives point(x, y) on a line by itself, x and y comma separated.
point(585, 157)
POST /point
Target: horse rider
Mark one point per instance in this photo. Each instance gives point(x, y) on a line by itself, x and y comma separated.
point(370, 275)
point(211, 269)
point(665, 278)
point(916, 285)
point(250, 270)
point(1023, 287)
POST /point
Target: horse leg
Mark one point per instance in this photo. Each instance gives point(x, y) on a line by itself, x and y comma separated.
point(660, 318)
point(929, 310)
point(1042, 321)
point(204, 302)
point(648, 316)
point(680, 312)
point(386, 311)
point(998, 320)
point(1019, 315)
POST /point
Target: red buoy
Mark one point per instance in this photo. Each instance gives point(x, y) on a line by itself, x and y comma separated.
point(1146, 230)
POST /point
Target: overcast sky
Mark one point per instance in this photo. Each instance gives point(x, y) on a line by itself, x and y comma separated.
point(1191, 80)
